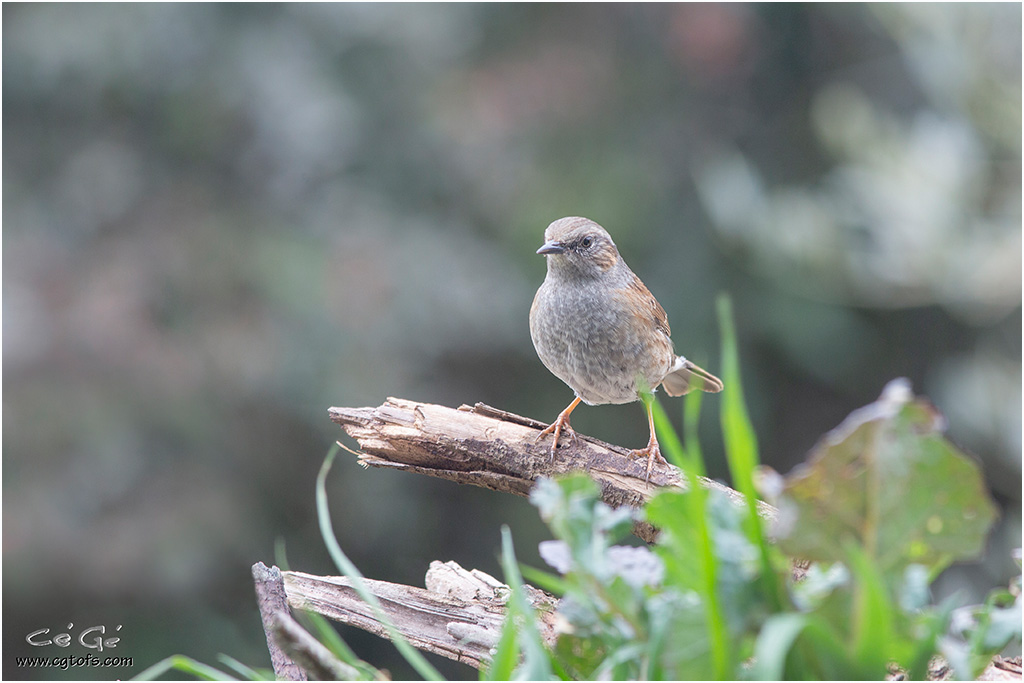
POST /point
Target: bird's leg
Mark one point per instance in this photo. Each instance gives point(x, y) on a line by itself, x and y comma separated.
point(652, 451)
point(560, 424)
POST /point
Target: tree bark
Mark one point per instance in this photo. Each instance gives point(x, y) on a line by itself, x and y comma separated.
point(458, 615)
point(272, 601)
point(487, 447)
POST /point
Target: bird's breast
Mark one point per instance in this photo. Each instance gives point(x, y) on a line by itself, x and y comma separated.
point(587, 338)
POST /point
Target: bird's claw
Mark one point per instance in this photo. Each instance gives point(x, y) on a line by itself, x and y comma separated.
point(558, 427)
point(652, 452)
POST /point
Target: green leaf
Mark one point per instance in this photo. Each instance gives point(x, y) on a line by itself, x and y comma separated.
point(681, 543)
point(927, 626)
point(887, 481)
point(776, 639)
point(913, 592)
point(1004, 626)
point(825, 655)
point(573, 509)
point(704, 550)
point(818, 585)
point(681, 647)
point(987, 629)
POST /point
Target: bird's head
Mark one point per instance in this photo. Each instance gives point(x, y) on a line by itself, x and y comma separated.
point(578, 247)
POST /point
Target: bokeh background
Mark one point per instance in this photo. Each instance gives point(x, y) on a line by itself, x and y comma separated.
point(220, 220)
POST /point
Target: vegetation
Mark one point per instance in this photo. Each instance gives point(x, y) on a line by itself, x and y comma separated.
point(881, 507)
point(883, 504)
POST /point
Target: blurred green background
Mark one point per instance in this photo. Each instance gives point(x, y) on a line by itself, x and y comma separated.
point(220, 220)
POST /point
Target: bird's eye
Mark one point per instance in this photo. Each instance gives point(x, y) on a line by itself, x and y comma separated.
point(586, 242)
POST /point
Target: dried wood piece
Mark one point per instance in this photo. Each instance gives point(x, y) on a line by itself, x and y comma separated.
point(488, 447)
point(460, 618)
point(272, 601)
point(1002, 669)
point(450, 579)
point(309, 652)
point(999, 669)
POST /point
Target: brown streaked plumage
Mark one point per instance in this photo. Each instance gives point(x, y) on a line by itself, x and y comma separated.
point(600, 330)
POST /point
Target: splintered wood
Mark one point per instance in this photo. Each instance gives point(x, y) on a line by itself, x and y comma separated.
point(487, 447)
point(459, 615)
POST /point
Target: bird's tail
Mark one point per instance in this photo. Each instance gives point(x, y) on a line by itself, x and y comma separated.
point(686, 376)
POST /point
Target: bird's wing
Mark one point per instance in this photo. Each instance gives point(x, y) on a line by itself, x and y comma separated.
point(647, 306)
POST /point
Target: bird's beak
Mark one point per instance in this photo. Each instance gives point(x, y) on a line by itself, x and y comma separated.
point(552, 247)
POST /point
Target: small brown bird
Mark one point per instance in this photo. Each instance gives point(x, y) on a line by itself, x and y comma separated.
point(600, 330)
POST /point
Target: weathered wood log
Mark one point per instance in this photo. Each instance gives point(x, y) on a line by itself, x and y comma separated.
point(308, 653)
point(487, 447)
point(1003, 669)
point(458, 615)
point(272, 601)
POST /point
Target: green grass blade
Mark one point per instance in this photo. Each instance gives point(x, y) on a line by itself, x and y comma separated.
point(742, 453)
point(691, 420)
point(185, 665)
point(318, 625)
point(776, 639)
point(280, 554)
point(692, 465)
point(506, 653)
point(246, 671)
point(536, 663)
point(408, 652)
point(691, 461)
point(552, 583)
point(737, 430)
point(670, 444)
point(873, 628)
point(322, 629)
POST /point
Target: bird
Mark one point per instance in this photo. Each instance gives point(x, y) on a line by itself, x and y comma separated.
point(598, 328)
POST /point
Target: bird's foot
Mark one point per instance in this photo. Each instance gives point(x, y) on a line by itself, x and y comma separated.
point(558, 427)
point(652, 452)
